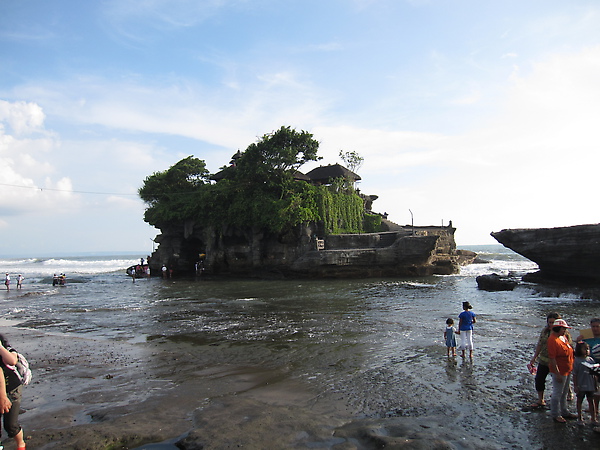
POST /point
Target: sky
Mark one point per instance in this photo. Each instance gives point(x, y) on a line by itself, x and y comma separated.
point(481, 112)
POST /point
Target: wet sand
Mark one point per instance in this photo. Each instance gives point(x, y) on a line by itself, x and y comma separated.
point(87, 395)
point(90, 394)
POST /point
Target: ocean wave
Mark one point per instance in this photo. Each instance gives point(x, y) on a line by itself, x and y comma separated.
point(23, 261)
point(76, 265)
point(501, 267)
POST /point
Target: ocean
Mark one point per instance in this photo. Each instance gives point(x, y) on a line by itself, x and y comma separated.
point(376, 345)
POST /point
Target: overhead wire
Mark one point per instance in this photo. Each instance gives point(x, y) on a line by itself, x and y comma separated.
point(89, 192)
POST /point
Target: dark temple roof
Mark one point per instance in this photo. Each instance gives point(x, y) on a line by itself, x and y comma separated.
point(326, 174)
point(222, 174)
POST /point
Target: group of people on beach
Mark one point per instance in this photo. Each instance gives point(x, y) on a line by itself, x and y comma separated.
point(7, 281)
point(466, 319)
point(572, 364)
point(568, 360)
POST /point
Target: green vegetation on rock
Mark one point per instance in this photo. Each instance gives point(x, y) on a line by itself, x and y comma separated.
point(259, 191)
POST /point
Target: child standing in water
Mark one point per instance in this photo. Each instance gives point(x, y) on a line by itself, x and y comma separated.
point(450, 337)
point(584, 381)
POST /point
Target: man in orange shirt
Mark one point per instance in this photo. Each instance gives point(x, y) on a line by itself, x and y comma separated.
point(561, 358)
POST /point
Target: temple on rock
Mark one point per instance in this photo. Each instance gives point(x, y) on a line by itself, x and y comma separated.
point(261, 217)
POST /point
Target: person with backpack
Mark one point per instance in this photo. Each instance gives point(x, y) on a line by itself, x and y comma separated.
point(10, 393)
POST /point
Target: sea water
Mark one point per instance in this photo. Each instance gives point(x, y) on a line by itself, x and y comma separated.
point(369, 341)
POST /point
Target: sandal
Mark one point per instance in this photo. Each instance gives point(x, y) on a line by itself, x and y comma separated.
point(559, 419)
point(569, 416)
point(538, 405)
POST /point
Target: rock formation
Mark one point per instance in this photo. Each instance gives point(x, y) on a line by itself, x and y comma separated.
point(563, 253)
point(406, 251)
point(495, 282)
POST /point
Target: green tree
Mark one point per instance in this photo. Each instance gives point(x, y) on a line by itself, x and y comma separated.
point(259, 191)
point(172, 194)
point(268, 196)
point(183, 177)
point(352, 160)
point(277, 156)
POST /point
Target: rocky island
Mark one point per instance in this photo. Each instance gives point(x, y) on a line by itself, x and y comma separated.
point(261, 216)
point(568, 254)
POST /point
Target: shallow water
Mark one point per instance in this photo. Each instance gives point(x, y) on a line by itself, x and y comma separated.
point(375, 345)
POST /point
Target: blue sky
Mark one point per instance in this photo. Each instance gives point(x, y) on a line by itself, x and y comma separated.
point(480, 112)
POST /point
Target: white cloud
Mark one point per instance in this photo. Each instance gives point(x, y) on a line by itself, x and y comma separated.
point(24, 159)
point(384, 152)
point(184, 108)
point(23, 117)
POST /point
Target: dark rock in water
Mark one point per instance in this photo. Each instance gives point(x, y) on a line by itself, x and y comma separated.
point(466, 257)
point(495, 282)
point(570, 254)
point(479, 260)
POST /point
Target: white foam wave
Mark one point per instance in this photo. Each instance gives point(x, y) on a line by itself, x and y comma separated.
point(501, 267)
point(49, 266)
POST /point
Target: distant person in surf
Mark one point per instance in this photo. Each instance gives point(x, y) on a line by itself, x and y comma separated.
point(465, 327)
point(7, 282)
point(20, 279)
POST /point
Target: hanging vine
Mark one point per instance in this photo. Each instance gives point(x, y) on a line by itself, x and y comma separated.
point(341, 210)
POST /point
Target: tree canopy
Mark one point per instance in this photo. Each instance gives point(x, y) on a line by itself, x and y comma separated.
point(259, 190)
point(182, 178)
point(278, 153)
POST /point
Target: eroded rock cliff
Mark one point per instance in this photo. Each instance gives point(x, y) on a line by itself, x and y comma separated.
point(565, 253)
point(407, 251)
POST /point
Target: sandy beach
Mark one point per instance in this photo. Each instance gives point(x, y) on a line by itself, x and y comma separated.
point(87, 395)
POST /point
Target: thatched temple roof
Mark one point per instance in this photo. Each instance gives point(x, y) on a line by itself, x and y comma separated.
point(326, 174)
point(320, 175)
